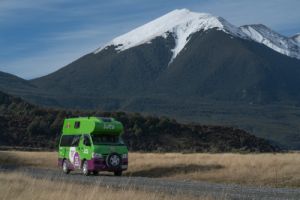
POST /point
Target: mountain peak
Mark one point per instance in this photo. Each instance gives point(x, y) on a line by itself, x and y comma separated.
point(181, 23)
point(264, 35)
point(296, 38)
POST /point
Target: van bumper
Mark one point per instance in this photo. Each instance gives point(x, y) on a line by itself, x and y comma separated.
point(98, 164)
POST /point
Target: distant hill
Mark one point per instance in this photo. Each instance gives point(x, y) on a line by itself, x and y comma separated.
point(15, 84)
point(23, 124)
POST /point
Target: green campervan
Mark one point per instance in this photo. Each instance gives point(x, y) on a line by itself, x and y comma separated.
point(92, 144)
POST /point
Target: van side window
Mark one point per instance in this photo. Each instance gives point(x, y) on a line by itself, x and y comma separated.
point(86, 140)
point(77, 125)
point(69, 140)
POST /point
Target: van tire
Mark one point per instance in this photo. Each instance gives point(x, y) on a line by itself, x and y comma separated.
point(85, 168)
point(65, 168)
point(118, 173)
point(114, 157)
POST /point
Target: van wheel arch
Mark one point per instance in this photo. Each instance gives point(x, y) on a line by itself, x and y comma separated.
point(65, 168)
point(81, 163)
point(85, 168)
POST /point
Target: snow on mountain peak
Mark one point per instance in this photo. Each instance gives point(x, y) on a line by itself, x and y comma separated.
point(262, 34)
point(296, 38)
point(181, 23)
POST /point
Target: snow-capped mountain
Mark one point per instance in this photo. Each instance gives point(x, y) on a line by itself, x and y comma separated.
point(186, 53)
point(264, 35)
point(219, 68)
point(180, 23)
point(183, 23)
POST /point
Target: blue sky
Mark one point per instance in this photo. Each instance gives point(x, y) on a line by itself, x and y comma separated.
point(40, 36)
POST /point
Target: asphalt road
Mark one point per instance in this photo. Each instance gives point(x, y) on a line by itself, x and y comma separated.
point(196, 188)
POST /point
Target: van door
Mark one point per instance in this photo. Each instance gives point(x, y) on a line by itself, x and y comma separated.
point(85, 147)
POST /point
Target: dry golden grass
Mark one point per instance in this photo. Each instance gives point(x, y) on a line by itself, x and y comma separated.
point(19, 186)
point(278, 170)
point(32, 159)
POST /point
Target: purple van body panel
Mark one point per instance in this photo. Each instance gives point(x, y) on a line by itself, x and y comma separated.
point(95, 164)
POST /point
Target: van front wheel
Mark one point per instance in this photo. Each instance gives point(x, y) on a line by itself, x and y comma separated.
point(65, 167)
point(85, 168)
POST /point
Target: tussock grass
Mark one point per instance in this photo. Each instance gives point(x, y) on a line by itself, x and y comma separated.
point(15, 186)
point(28, 158)
point(276, 170)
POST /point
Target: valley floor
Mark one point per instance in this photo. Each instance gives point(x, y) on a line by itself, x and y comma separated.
point(275, 170)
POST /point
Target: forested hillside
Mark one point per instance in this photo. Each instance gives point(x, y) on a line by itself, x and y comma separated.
point(23, 124)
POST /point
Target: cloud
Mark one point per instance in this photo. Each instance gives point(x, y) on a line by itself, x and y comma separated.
point(8, 8)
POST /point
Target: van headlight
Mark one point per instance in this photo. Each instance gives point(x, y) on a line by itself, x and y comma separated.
point(125, 155)
point(97, 155)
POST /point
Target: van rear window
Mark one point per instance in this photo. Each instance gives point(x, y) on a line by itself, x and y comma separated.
point(69, 140)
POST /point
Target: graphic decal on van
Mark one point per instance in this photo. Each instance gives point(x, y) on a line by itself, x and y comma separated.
point(71, 154)
point(76, 160)
point(74, 157)
point(86, 151)
point(109, 126)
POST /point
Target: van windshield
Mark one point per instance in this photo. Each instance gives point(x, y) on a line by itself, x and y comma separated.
point(106, 139)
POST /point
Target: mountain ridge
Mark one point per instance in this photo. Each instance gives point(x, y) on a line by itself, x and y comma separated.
point(180, 22)
point(262, 34)
point(183, 22)
point(296, 38)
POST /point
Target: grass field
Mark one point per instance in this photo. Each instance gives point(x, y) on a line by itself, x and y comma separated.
point(15, 186)
point(276, 170)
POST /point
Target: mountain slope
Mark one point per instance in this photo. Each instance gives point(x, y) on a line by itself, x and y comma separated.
point(16, 84)
point(213, 65)
point(109, 71)
point(217, 66)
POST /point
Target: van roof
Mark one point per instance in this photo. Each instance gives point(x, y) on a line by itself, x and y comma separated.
point(92, 125)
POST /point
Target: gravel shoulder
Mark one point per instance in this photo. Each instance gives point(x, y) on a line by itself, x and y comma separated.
point(196, 188)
